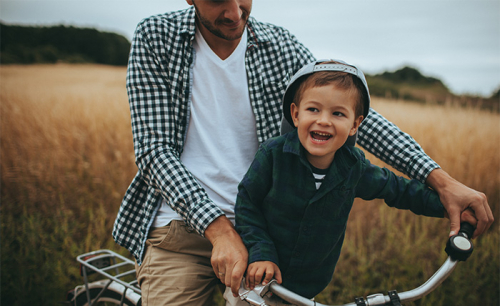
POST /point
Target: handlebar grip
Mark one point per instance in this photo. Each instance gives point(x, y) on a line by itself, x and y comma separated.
point(467, 228)
point(459, 247)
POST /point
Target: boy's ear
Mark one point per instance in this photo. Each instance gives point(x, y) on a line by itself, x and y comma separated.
point(294, 111)
point(355, 125)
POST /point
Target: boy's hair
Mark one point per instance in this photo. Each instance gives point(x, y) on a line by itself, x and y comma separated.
point(342, 80)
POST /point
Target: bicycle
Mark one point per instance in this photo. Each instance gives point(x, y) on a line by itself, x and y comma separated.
point(115, 290)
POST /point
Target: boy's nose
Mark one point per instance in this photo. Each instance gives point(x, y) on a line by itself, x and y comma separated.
point(323, 119)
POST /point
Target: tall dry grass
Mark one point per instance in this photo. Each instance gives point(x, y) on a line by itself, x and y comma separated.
point(67, 159)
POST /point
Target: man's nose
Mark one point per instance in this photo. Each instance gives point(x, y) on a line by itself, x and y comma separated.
point(233, 11)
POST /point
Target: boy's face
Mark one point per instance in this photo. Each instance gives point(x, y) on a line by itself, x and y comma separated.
point(324, 119)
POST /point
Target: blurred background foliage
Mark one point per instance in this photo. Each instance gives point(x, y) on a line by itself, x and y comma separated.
point(63, 44)
point(30, 45)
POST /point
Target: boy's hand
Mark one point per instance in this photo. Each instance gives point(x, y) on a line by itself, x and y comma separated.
point(257, 270)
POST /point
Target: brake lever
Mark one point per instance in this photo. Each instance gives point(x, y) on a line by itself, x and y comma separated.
point(255, 296)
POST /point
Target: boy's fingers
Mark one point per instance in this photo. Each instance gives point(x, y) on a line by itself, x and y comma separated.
point(250, 278)
point(258, 276)
point(252, 282)
point(269, 276)
point(277, 276)
point(247, 283)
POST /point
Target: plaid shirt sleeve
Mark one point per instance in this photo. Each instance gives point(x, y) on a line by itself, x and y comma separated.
point(156, 84)
point(394, 147)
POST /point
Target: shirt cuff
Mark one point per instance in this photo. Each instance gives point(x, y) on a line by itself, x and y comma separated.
point(422, 167)
point(202, 215)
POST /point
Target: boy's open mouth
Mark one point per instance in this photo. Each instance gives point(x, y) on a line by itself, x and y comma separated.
point(320, 136)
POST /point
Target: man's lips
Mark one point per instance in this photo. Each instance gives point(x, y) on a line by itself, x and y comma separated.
point(320, 136)
point(231, 24)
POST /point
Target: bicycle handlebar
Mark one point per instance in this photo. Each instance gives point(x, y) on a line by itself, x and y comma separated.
point(459, 248)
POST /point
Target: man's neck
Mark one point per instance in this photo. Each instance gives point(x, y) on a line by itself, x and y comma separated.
point(222, 47)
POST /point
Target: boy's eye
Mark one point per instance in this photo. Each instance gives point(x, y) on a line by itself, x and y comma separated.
point(338, 114)
point(312, 109)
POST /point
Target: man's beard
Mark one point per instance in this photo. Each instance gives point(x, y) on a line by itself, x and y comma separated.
point(217, 32)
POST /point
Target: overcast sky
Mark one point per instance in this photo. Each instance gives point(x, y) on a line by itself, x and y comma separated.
point(457, 41)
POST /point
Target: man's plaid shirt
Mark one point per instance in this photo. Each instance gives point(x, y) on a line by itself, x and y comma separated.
point(159, 88)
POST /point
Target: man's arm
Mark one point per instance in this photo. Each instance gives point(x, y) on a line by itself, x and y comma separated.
point(399, 150)
point(157, 107)
point(386, 141)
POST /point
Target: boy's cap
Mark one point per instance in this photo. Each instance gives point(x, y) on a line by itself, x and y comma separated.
point(316, 66)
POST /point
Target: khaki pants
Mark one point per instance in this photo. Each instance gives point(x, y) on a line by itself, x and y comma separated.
point(176, 269)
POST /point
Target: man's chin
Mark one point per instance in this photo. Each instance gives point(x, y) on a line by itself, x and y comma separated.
point(230, 34)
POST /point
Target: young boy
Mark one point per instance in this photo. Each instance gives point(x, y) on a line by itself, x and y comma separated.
point(294, 202)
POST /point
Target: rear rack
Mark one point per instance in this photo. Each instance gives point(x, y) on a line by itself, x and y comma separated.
point(111, 265)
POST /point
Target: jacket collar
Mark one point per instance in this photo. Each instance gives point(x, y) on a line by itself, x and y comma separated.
point(340, 170)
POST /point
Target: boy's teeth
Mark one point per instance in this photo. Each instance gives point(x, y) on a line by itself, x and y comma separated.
point(321, 136)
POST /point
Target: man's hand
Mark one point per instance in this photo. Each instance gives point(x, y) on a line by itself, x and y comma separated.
point(262, 272)
point(458, 199)
point(229, 254)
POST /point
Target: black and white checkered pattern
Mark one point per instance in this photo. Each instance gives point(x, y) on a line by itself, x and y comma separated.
point(159, 88)
point(396, 148)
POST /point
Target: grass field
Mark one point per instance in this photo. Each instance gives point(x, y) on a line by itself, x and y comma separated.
point(67, 158)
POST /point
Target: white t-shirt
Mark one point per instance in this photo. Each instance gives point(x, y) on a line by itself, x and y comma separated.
point(221, 139)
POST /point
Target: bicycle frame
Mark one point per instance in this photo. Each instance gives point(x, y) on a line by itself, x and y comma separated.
point(256, 296)
point(115, 268)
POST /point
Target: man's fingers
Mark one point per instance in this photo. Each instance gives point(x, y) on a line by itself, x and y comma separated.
point(454, 216)
point(469, 217)
point(483, 214)
point(237, 276)
point(219, 269)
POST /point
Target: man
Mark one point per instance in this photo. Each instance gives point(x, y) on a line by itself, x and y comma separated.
point(205, 87)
